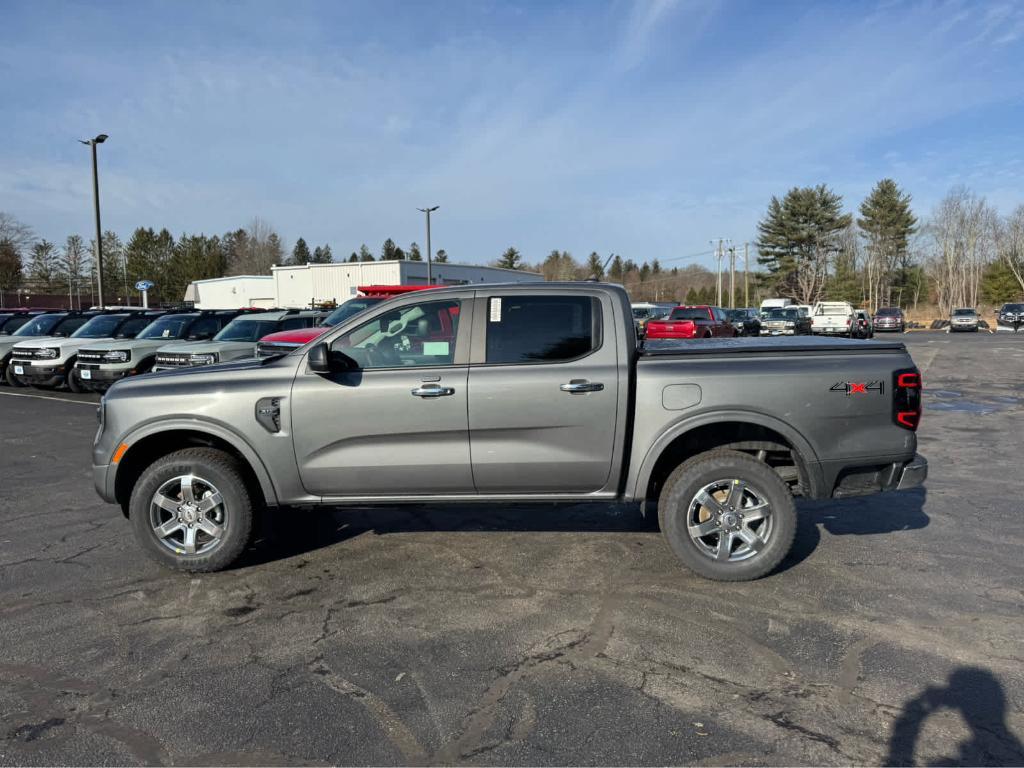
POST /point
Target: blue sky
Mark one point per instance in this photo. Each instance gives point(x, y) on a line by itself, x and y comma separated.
point(644, 128)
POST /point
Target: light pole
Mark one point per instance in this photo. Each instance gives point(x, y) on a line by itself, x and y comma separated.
point(428, 211)
point(96, 204)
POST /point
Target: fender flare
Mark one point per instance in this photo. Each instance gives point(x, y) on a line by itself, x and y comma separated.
point(213, 429)
point(806, 455)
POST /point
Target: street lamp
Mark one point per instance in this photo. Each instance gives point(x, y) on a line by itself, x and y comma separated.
point(428, 211)
point(96, 204)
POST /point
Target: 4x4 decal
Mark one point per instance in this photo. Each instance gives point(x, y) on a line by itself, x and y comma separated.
point(858, 388)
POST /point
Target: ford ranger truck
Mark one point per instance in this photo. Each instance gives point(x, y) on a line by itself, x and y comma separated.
point(49, 362)
point(237, 340)
point(100, 365)
point(370, 295)
point(518, 393)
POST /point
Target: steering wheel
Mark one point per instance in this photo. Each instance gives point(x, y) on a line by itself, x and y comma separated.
point(382, 356)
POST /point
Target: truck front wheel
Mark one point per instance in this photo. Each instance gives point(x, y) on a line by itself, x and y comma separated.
point(727, 516)
point(191, 510)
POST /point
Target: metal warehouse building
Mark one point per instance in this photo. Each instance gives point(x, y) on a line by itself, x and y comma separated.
point(308, 284)
point(303, 286)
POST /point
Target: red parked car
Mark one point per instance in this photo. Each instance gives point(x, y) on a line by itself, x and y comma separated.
point(697, 322)
point(286, 341)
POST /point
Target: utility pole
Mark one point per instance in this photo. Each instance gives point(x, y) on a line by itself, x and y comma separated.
point(96, 205)
point(732, 277)
point(718, 258)
point(746, 274)
point(428, 211)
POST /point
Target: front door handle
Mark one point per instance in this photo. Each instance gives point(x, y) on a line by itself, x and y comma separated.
point(582, 385)
point(433, 390)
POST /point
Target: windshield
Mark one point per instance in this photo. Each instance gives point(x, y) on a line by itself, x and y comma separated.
point(99, 327)
point(736, 315)
point(348, 309)
point(782, 314)
point(641, 312)
point(888, 311)
point(964, 312)
point(10, 323)
point(1013, 308)
point(172, 327)
point(689, 313)
point(246, 329)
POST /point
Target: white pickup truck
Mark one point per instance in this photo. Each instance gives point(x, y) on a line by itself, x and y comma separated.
point(832, 318)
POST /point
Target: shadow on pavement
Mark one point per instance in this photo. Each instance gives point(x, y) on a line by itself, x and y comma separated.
point(861, 516)
point(978, 697)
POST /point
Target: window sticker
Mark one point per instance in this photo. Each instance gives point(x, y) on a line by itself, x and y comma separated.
point(495, 310)
point(436, 348)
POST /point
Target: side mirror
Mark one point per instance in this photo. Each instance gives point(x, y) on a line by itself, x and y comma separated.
point(323, 360)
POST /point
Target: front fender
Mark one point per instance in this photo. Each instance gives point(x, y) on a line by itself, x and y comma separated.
point(637, 488)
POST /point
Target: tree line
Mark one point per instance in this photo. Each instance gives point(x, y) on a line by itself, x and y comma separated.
point(964, 253)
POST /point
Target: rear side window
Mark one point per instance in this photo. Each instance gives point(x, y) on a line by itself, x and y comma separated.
point(294, 323)
point(541, 329)
point(207, 327)
point(130, 329)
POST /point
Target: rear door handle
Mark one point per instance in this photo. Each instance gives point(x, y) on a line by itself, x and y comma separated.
point(581, 385)
point(433, 390)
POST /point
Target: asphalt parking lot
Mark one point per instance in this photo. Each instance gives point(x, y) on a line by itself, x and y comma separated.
point(527, 635)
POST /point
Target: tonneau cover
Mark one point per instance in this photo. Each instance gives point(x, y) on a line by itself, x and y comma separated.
point(764, 345)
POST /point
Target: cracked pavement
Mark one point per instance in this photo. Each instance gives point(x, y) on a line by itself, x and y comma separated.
point(516, 634)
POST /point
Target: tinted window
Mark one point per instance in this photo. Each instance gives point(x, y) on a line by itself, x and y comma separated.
point(416, 335)
point(14, 324)
point(171, 327)
point(963, 312)
point(206, 327)
point(533, 329)
point(131, 328)
point(69, 325)
point(690, 313)
point(884, 311)
point(294, 323)
point(244, 329)
point(348, 309)
point(99, 327)
point(1014, 308)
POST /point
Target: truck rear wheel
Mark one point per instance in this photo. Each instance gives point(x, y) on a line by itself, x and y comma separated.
point(727, 516)
point(191, 510)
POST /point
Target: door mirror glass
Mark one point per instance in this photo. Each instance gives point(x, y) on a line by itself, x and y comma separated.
point(318, 359)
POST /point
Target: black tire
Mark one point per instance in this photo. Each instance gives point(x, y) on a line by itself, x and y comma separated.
point(224, 473)
point(678, 497)
point(12, 380)
point(72, 382)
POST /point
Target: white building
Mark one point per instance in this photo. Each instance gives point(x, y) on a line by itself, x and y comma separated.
point(232, 292)
point(301, 286)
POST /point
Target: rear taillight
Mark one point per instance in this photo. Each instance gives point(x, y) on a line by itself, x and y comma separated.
point(906, 403)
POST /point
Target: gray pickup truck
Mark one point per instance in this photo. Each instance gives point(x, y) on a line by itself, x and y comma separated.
point(498, 393)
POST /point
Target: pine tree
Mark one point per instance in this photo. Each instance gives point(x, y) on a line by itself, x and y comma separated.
point(364, 253)
point(655, 267)
point(414, 253)
point(353, 258)
point(999, 284)
point(886, 222)
point(387, 251)
point(274, 253)
point(616, 272)
point(645, 272)
point(42, 268)
point(441, 257)
point(300, 253)
point(797, 239)
point(399, 254)
point(595, 267)
point(510, 259)
point(326, 255)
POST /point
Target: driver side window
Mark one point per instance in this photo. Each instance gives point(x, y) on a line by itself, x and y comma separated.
point(415, 335)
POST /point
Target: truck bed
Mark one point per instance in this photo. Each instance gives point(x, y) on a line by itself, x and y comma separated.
point(767, 345)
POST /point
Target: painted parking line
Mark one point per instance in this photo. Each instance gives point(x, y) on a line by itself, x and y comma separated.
point(49, 397)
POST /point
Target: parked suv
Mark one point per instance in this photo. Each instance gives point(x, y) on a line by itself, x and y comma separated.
point(786, 321)
point(100, 365)
point(12, 319)
point(890, 319)
point(964, 320)
point(46, 324)
point(237, 341)
point(746, 321)
point(1010, 317)
point(50, 361)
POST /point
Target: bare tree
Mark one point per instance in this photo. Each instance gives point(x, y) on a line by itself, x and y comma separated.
point(963, 233)
point(1010, 243)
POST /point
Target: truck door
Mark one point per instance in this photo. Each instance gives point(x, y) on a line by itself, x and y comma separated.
point(543, 393)
point(397, 425)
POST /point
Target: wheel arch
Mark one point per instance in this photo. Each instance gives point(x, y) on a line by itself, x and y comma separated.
point(739, 430)
point(148, 445)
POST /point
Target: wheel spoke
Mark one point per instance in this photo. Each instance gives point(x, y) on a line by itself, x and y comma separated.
point(186, 489)
point(209, 526)
point(709, 501)
point(724, 546)
point(211, 501)
point(704, 529)
point(736, 490)
point(166, 502)
point(750, 538)
point(165, 530)
point(756, 512)
point(189, 545)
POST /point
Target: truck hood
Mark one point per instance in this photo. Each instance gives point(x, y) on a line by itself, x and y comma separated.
point(129, 344)
point(298, 336)
point(63, 343)
point(208, 347)
point(201, 380)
